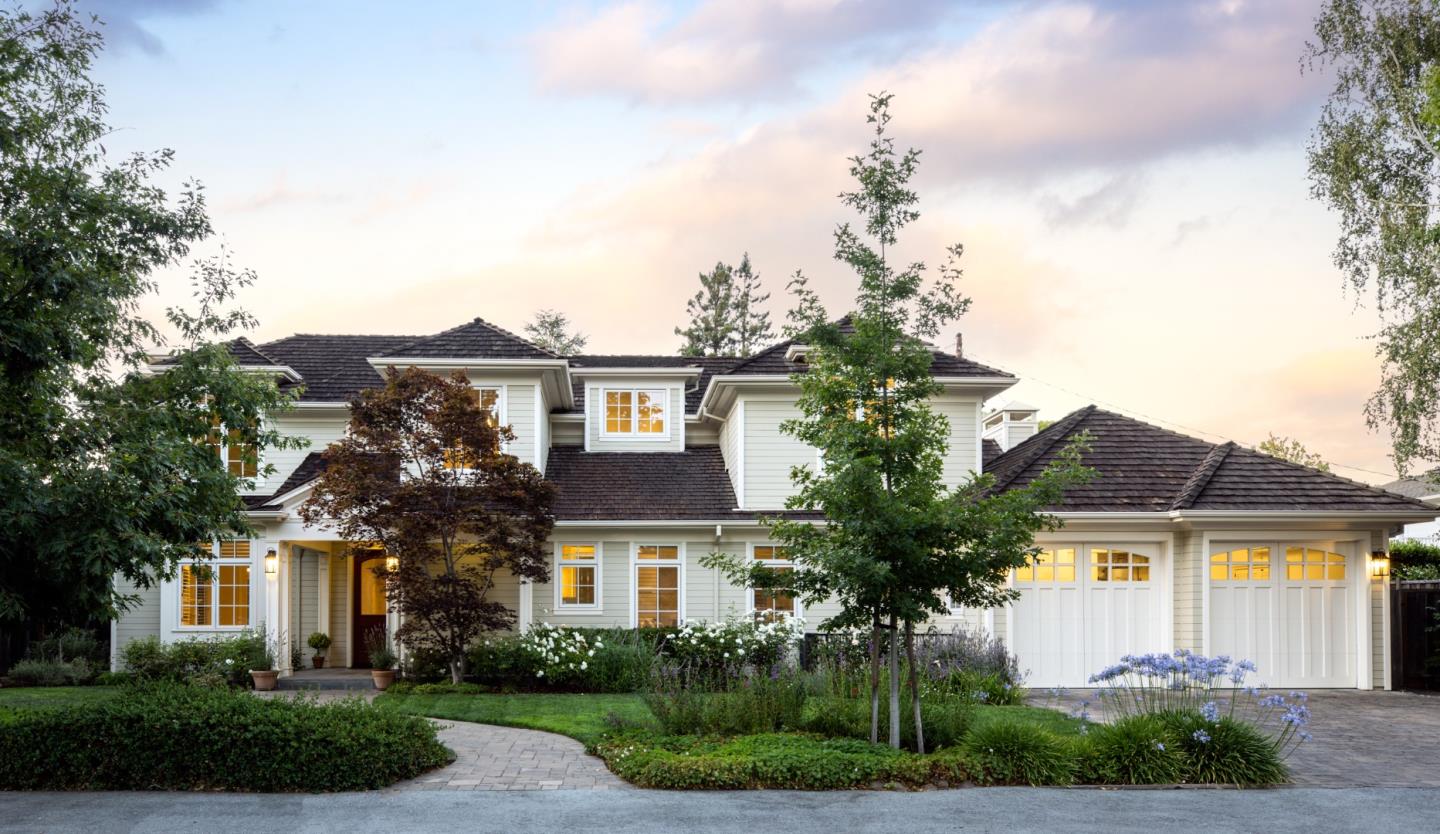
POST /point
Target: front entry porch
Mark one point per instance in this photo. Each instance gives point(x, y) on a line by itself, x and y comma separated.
point(327, 586)
point(350, 680)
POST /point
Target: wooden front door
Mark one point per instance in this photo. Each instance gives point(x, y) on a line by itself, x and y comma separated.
point(369, 610)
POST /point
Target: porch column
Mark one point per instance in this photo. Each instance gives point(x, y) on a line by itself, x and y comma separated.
point(271, 588)
point(322, 582)
point(527, 605)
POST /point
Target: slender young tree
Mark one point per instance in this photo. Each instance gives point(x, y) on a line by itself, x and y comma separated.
point(1287, 448)
point(1375, 161)
point(896, 545)
point(752, 322)
point(423, 472)
point(551, 329)
point(106, 470)
point(711, 331)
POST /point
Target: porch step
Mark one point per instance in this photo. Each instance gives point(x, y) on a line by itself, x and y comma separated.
point(329, 679)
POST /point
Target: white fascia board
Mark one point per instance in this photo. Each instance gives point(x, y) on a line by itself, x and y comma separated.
point(713, 404)
point(269, 515)
point(464, 362)
point(281, 370)
point(687, 372)
point(1378, 516)
point(662, 523)
point(320, 405)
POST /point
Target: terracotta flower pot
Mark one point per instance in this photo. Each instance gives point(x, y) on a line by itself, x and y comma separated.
point(382, 678)
point(264, 681)
point(318, 661)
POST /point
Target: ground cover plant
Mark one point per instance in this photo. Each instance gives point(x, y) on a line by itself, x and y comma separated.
point(211, 661)
point(169, 736)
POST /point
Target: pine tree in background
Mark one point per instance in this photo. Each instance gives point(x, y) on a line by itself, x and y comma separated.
point(712, 315)
point(752, 324)
point(550, 329)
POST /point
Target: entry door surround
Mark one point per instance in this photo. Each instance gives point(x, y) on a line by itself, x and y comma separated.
point(367, 599)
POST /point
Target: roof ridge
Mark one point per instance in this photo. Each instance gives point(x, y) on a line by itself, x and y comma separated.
point(1041, 443)
point(477, 320)
point(1200, 478)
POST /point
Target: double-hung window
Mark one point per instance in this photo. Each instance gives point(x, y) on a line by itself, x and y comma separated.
point(579, 570)
point(236, 447)
point(491, 400)
point(216, 593)
point(636, 412)
point(772, 603)
point(657, 585)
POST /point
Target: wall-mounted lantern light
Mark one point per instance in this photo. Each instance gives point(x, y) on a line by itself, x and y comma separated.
point(392, 563)
point(1380, 565)
point(272, 562)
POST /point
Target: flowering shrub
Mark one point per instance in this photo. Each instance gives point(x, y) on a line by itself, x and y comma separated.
point(1214, 688)
point(207, 660)
point(733, 644)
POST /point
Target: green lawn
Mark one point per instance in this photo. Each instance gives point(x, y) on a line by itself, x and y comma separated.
point(29, 697)
point(581, 717)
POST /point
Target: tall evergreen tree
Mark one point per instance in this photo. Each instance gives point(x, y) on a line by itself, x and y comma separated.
point(752, 323)
point(711, 331)
point(550, 329)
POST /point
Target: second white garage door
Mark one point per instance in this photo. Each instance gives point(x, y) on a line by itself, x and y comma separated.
point(1082, 607)
point(1287, 606)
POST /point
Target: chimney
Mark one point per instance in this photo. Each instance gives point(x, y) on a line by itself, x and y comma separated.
point(1011, 424)
point(959, 345)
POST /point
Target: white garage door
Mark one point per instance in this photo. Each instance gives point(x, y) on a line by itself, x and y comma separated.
point(1082, 607)
point(1288, 606)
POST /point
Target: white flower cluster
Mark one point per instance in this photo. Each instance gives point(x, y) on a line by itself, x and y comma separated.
point(736, 641)
point(560, 652)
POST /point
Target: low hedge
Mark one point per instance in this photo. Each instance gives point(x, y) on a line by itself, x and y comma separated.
point(178, 737)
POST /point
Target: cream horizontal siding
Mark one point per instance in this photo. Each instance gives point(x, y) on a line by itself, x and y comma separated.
point(732, 436)
point(1379, 659)
point(770, 454)
point(595, 418)
point(520, 416)
point(340, 604)
point(141, 620)
point(963, 415)
point(1190, 579)
point(321, 431)
point(614, 591)
point(304, 600)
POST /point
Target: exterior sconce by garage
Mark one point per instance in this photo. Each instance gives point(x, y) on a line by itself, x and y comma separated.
point(272, 562)
point(1380, 565)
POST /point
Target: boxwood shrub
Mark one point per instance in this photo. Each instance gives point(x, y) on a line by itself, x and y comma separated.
point(178, 737)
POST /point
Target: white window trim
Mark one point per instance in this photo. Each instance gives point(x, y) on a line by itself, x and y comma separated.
point(598, 605)
point(781, 563)
point(668, 415)
point(636, 562)
point(502, 405)
point(215, 561)
point(259, 477)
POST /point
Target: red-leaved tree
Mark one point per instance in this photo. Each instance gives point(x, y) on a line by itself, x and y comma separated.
point(423, 472)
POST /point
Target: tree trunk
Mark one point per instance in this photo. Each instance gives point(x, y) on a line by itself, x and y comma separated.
point(914, 686)
point(875, 679)
point(894, 683)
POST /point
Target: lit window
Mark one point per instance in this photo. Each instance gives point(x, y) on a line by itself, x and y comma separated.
point(657, 586)
point(217, 592)
point(1241, 565)
point(238, 449)
point(1313, 564)
point(1119, 566)
point(635, 412)
point(490, 402)
point(1056, 565)
point(578, 575)
point(772, 603)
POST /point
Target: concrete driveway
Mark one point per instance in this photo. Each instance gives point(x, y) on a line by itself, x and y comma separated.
point(1383, 739)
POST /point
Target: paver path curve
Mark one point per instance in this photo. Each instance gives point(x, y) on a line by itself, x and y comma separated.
point(491, 758)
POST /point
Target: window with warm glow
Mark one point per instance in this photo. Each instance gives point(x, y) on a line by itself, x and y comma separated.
point(217, 592)
point(657, 586)
point(372, 590)
point(236, 447)
point(635, 412)
point(1313, 564)
point(490, 401)
point(579, 575)
point(1056, 565)
point(772, 603)
point(1241, 565)
point(1119, 566)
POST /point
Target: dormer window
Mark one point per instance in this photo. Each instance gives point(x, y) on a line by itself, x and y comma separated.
point(636, 412)
point(491, 400)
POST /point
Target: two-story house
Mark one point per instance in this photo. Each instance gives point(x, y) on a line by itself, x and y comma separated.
point(659, 460)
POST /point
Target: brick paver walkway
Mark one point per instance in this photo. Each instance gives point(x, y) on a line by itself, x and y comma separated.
point(490, 758)
point(1360, 739)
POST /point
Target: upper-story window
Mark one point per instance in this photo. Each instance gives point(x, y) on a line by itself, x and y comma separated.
point(236, 447)
point(491, 400)
point(636, 412)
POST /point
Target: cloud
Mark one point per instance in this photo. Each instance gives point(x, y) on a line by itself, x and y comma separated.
point(1109, 205)
point(720, 50)
point(280, 194)
point(124, 29)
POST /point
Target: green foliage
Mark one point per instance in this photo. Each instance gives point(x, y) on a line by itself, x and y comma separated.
point(725, 314)
point(230, 658)
point(319, 641)
point(946, 720)
point(31, 672)
point(378, 650)
point(783, 761)
point(1017, 753)
point(550, 329)
point(104, 469)
point(1286, 448)
point(566, 659)
point(746, 706)
point(1374, 160)
point(1414, 560)
point(443, 688)
point(1226, 752)
point(585, 718)
point(730, 645)
point(1138, 750)
point(68, 644)
point(176, 737)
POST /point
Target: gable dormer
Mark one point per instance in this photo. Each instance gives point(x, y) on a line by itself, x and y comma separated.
point(636, 409)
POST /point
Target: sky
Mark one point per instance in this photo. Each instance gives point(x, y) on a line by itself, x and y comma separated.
point(1128, 178)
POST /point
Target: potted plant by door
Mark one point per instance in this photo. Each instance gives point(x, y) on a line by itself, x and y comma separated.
point(319, 641)
point(382, 658)
point(262, 663)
